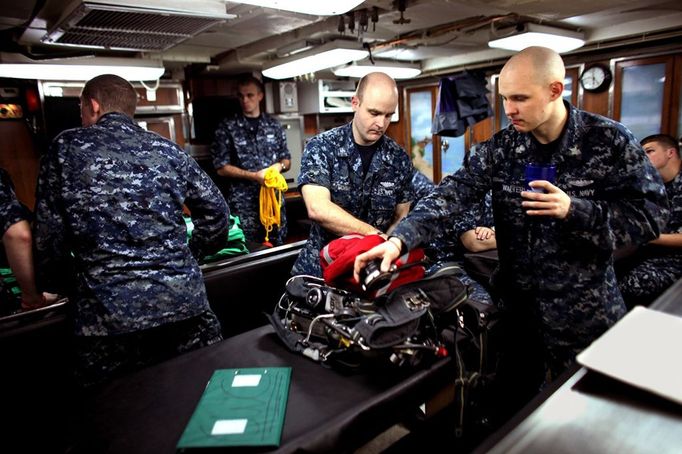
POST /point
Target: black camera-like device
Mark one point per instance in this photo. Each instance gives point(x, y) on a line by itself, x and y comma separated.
point(372, 278)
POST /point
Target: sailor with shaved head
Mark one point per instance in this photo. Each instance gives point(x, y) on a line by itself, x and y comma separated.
point(555, 279)
point(355, 179)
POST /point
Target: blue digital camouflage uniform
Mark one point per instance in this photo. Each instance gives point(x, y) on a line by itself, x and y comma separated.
point(239, 144)
point(481, 215)
point(11, 210)
point(447, 247)
point(560, 271)
point(656, 268)
point(421, 185)
point(332, 160)
point(109, 230)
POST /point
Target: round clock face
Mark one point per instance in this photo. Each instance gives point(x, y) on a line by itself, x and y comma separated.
point(595, 78)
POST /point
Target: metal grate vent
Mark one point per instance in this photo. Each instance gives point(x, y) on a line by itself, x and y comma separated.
point(126, 28)
point(119, 40)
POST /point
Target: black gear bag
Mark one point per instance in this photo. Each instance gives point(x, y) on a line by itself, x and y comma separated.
point(332, 325)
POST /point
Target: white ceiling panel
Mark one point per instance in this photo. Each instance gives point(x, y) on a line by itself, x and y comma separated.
point(440, 33)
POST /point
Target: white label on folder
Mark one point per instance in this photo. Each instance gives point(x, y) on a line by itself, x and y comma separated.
point(245, 380)
point(229, 426)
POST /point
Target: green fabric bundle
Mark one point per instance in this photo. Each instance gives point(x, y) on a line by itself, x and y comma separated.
point(10, 293)
point(235, 243)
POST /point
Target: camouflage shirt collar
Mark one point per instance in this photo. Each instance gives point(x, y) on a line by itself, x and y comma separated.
point(263, 118)
point(565, 147)
point(111, 117)
point(677, 181)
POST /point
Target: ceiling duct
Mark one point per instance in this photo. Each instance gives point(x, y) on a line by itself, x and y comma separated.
point(142, 25)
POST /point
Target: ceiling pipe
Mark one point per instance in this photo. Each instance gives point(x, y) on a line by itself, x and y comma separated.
point(470, 24)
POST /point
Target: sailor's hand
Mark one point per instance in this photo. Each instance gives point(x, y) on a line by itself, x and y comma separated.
point(387, 251)
point(553, 202)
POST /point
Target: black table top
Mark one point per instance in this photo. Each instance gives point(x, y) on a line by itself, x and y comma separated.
point(327, 410)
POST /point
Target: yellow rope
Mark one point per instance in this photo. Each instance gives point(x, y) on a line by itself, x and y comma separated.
point(271, 199)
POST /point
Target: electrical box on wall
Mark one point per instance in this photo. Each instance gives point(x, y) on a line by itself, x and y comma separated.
point(281, 97)
point(326, 96)
point(329, 97)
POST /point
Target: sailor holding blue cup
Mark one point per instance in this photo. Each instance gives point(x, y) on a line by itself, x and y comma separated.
point(535, 172)
point(542, 198)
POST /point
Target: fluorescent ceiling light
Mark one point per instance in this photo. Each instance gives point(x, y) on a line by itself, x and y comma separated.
point(558, 39)
point(396, 70)
point(333, 53)
point(315, 7)
point(83, 69)
point(412, 54)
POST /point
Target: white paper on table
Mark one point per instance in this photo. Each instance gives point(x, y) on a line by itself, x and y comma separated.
point(641, 349)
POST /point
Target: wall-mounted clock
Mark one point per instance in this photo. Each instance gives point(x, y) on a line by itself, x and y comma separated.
point(596, 78)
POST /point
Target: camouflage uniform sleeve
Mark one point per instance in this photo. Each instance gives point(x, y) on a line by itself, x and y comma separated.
point(421, 185)
point(210, 213)
point(11, 210)
point(465, 222)
point(406, 173)
point(455, 194)
point(633, 209)
point(314, 165)
point(220, 148)
point(486, 215)
point(52, 252)
point(479, 215)
point(282, 138)
point(674, 190)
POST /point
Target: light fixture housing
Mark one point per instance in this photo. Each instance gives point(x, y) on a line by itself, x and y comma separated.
point(80, 69)
point(518, 38)
point(314, 7)
point(397, 70)
point(328, 55)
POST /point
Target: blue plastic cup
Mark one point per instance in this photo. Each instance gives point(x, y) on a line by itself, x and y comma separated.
point(535, 171)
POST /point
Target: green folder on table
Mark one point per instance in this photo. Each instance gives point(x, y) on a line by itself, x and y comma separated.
point(240, 407)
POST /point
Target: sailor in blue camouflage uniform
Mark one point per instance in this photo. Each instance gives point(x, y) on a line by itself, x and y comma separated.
point(555, 246)
point(110, 235)
point(355, 179)
point(11, 210)
point(658, 264)
point(243, 149)
point(474, 232)
point(421, 185)
point(15, 230)
point(449, 246)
